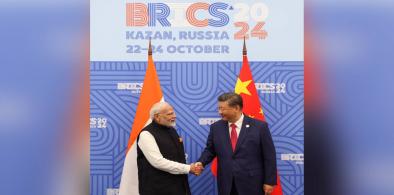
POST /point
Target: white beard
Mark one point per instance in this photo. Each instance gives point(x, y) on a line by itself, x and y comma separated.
point(173, 124)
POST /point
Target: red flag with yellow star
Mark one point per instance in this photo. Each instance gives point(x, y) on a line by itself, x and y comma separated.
point(246, 88)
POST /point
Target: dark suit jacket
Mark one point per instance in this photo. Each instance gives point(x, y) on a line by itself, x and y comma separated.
point(252, 164)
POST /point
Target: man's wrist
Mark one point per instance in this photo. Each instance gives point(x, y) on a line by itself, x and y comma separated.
point(191, 168)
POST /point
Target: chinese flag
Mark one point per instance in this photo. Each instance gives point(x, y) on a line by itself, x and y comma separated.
point(246, 88)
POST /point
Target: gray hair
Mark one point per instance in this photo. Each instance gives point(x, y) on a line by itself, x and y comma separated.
point(156, 108)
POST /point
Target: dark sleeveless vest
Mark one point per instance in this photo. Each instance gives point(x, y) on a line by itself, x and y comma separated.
point(153, 181)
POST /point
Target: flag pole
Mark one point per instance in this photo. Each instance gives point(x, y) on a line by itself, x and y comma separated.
point(244, 51)
point(150, 48)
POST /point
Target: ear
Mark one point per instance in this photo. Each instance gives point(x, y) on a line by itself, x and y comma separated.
point(238, 108)
point(156, 117)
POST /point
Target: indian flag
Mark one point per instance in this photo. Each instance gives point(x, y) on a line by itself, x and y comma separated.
point(150, 94)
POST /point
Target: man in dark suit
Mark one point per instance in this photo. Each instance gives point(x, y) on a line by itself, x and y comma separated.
point(244, 150)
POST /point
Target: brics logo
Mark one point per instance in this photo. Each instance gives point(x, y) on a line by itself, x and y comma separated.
point(271, 87)
point(298, 158)
point(99, 123)
point(140, 14)
point(207, 121)
point(133, 87)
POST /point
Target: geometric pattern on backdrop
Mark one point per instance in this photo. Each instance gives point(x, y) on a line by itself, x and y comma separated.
point(192, 88)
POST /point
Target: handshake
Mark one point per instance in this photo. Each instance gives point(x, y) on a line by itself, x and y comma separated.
point(196, 168)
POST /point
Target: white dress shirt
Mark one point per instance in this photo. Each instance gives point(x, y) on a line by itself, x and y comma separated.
point(148, 146)
point(239, 125)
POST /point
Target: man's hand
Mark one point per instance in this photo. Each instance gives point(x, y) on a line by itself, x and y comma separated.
point(199, 164)
point(268, 189)
point(196, 168)
point(199, 168)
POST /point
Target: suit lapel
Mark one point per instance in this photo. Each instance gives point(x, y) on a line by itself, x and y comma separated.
point(227, 139)
point(243, 134)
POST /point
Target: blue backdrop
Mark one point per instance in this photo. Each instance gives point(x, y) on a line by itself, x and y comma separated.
point(192, 88)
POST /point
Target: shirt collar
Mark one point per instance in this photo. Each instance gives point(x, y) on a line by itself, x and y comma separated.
point(239, 121)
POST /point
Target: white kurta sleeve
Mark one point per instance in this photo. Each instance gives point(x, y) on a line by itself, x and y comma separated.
point(148, 146)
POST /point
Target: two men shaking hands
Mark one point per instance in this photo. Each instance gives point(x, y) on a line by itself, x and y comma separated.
point(243, 145)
